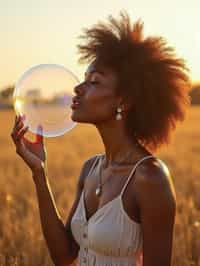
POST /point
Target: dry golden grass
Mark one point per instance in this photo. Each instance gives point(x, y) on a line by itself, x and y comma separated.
point(21, 239)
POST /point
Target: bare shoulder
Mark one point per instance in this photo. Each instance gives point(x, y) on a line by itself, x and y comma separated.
point(154, 180)
point(85, 170)
point(156, 199)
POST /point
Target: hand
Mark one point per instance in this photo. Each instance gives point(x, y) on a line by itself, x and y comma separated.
point(33, 153)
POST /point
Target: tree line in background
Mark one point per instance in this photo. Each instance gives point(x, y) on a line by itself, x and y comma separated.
point(6, 96)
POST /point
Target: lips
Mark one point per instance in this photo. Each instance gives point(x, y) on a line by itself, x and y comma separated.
point(75, 102)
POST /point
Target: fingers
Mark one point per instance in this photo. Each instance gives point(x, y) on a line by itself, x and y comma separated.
point(21, 133)
point(39, 135)
point(18, 128)
point(18, 122)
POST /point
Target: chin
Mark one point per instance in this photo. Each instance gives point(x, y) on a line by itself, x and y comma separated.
point(77, 117)
point(82, 119)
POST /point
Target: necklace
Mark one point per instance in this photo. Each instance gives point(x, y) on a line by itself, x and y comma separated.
point(100, 185)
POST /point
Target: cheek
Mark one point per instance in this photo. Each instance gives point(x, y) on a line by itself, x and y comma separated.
point(96, 109)
point(103, 107)
point(99, 96)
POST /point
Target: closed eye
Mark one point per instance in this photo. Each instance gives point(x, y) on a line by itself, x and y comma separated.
point(94, 82)
point(91, 82)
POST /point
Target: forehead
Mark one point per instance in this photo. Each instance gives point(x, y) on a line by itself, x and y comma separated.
point(96, 67)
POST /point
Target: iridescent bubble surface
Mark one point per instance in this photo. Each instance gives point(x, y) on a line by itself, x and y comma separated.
point(43, 95)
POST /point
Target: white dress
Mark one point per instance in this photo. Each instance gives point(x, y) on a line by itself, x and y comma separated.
point(110, 237)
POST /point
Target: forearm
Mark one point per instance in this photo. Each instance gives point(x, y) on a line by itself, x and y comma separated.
point(52, 225)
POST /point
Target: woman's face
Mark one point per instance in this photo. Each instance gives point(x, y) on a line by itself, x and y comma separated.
point(97, 95)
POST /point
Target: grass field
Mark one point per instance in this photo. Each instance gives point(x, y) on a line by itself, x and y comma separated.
point(21, 239)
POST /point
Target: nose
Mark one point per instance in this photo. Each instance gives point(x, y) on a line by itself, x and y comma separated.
point(78, 89)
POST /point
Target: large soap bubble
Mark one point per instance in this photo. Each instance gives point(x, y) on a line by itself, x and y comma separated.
point(43, 95)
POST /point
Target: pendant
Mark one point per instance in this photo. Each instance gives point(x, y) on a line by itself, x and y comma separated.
point(98, 191)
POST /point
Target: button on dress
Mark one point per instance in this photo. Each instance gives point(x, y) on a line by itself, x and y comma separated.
point(110, 237)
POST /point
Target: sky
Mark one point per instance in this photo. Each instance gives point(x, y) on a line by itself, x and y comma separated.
point(47, 31)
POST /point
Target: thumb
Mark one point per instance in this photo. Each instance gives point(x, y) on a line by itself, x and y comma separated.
point(39, 135)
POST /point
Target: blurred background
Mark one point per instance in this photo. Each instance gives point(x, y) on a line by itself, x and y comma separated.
point(37, 32)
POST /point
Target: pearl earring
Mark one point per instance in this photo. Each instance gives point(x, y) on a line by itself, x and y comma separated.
point(119, 116)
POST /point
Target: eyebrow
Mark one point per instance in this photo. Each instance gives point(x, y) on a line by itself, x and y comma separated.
point(95, 71)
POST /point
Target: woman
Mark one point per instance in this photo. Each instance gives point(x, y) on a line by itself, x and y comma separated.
point(134, 92)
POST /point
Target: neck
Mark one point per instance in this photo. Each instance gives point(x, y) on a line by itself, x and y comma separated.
point(118, 145)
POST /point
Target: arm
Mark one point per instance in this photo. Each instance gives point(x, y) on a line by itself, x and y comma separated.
point(157, 202)
point(59, 240)
point(52, 226)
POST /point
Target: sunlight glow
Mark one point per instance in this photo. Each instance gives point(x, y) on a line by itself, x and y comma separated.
point(47, 32)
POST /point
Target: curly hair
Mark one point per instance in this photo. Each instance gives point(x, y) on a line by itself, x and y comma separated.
point(149, 75)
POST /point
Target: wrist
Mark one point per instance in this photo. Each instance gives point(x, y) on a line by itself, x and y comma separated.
point(39, 169)
point(39, 175)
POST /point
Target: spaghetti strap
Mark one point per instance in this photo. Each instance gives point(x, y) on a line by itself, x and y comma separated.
point(132, 171)
point(93, 165)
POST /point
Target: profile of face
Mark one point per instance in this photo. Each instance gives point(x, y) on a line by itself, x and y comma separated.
point(97, 95)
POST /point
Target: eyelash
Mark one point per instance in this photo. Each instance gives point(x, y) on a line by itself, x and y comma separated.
point(92, 82)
